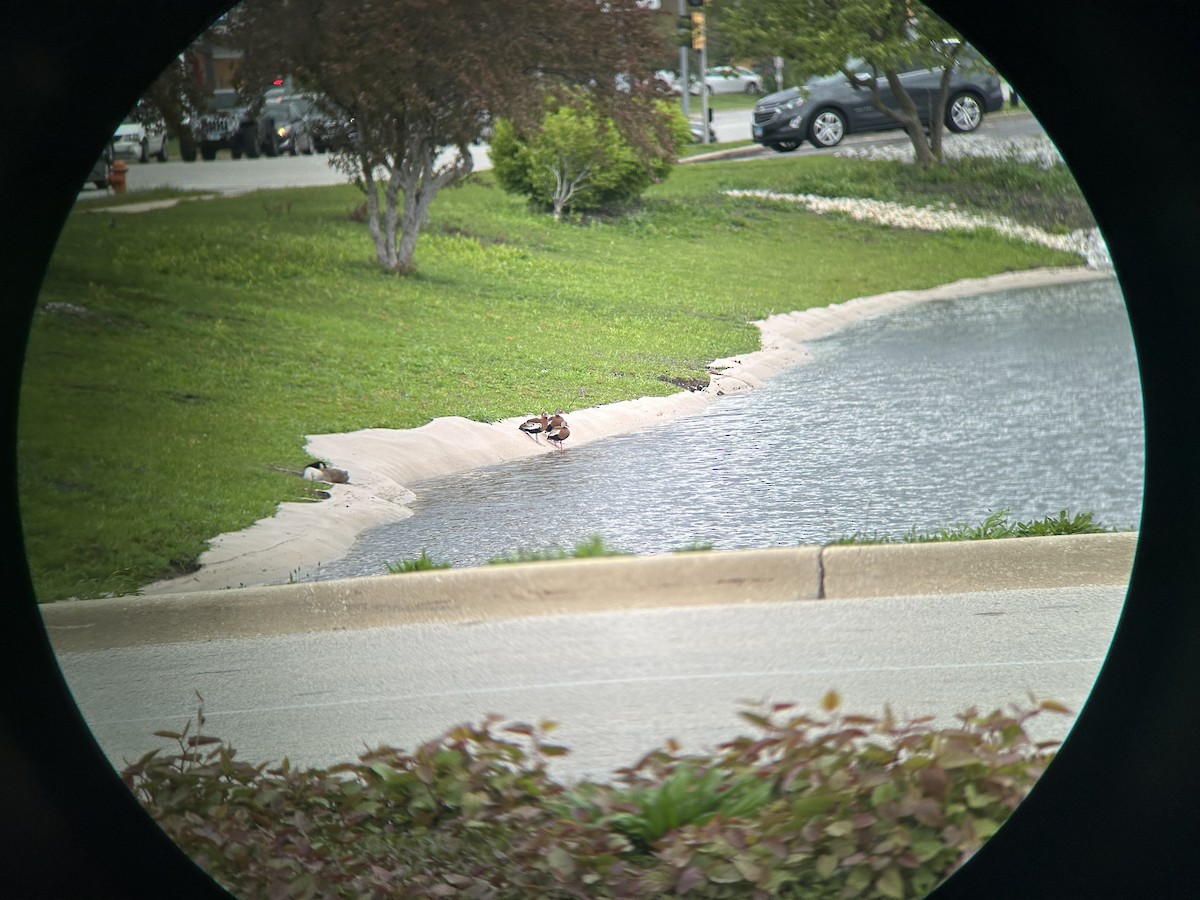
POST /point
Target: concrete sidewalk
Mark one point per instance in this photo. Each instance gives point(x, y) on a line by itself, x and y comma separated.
point(571, 586)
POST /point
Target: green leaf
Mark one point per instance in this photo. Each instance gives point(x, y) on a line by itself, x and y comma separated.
point(748, 867)
point(826, 865)
point(925, 849)
point(890, 883)
point(985, 828)
point(561, 863)
point(958, 759)
point(839, 828)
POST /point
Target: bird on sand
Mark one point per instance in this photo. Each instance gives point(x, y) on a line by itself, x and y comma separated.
point(320, 470)
point(557, 430)
point(535, 426)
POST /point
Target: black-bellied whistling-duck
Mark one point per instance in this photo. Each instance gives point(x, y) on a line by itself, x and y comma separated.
point(535, 426)
point(556, 434)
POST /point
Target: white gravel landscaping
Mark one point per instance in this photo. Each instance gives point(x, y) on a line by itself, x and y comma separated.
point(1038, 151)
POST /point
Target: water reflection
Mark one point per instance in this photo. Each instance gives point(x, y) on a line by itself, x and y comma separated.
point(1026, 400)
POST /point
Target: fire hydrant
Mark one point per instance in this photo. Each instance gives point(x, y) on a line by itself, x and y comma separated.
point(116, 179)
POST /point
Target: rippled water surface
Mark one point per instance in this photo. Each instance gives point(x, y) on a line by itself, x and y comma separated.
point(1025, 400)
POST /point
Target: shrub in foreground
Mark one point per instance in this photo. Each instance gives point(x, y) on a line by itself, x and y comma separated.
point(836, 805)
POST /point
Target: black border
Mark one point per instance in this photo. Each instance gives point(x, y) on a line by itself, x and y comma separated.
point(1117, 814)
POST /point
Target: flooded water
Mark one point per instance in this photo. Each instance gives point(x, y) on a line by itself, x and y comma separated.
point(1025, 400)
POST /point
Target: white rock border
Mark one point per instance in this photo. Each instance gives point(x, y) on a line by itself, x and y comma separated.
point(1086, 243)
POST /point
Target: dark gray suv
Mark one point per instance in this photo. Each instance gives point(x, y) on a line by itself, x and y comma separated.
point(829, 107)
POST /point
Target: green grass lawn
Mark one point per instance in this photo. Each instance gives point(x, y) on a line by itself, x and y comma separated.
point(203, 342)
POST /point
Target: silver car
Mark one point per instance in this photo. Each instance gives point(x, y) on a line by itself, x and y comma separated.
point(829, 107)
point(731, 80)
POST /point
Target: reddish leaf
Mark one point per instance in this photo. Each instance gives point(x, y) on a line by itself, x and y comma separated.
point(689, 878)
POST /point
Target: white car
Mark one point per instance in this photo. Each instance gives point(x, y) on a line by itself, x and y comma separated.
point(133, 140)
point(730, 80)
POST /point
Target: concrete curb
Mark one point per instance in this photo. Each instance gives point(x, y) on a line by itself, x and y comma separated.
point(588, 585)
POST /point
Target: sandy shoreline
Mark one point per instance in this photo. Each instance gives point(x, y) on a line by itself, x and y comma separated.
point(291, 545)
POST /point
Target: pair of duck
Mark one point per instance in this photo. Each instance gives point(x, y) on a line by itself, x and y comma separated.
point(553, 427)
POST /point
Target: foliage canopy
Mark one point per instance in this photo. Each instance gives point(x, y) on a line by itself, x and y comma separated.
point(415, 82)
point(887, 36)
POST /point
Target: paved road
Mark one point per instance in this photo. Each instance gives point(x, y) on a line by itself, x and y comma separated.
point(619, 683)
point(225, 175)
point(231, 176)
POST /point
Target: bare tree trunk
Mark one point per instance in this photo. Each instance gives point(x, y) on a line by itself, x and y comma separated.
point(419, 182)
point(908, 116)
point(937, 115)
point(391, 196)
point(565, 186)
point(372, 189)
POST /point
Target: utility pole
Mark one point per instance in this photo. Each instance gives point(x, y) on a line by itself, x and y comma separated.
point(698, 42)
point(684, 48)
point(705, 113)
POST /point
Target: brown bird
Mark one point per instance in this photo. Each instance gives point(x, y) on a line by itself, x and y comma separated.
point(556, 434)
point(535, 426)
point(323, 471)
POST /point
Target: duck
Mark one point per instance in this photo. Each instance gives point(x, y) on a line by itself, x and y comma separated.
point(319, 470)
point(534, 426)
point(556, 434)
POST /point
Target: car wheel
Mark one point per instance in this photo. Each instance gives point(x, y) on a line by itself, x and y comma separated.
point(161, 155)
point(784, 146)
point(235, 152)
point(271, 145)
point(827, 128)
point(101, 184)
point(752, 88)
point(253, 151)
point(208, 154)
point(964, 113)
point(144, 156)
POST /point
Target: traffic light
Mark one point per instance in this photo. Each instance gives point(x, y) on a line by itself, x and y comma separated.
point(697, 31)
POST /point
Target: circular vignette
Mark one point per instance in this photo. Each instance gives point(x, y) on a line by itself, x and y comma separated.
point(1114, 813)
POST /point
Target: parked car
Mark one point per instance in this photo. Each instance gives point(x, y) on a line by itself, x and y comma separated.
point(284, 126)
point(227, 125)
point(730, 80)
point(829, 107)
point(134, 140)
point(336, 133)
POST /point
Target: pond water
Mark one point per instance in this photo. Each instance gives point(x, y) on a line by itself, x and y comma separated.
point(1024, 400)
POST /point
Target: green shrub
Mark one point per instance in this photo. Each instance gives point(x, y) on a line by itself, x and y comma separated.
point(838, 805)
point(576, 159)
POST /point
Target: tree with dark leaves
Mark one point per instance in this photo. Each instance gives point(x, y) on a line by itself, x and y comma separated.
point(415, 82)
